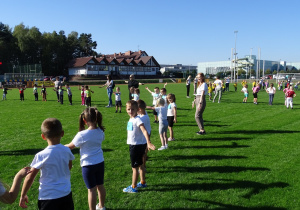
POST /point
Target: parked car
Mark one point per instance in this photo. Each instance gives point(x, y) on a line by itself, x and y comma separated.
point(252, 77)
point(46, 78)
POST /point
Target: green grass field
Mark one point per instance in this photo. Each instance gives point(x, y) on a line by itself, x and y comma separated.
point(249, 158)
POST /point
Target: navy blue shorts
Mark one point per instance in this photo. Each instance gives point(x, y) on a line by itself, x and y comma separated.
point(93, 175)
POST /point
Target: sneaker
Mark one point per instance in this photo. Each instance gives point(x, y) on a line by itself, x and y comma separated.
point(120, 111)
point(98, 208)
point(162, 148)
point(116, 111)
point(169, 139)
point(140, 185)
point(166, 146)
point(201, 132)
point(108, 106)
point(129, 189)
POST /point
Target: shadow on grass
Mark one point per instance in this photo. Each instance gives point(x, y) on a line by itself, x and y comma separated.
point(233, 146)
point(200, 138)
point(229, 206)
point(255, 132)
point(34, 151)
point(204, 157)
point(254, 187)
point(209, 169)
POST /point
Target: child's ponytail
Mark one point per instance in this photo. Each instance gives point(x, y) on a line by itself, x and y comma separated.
point(81, 122)
point(99, 119)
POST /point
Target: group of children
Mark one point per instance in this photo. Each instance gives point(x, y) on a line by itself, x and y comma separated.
point(55, 161)
point(271, 90)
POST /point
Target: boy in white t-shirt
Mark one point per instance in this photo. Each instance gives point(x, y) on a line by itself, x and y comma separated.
point(138, 140)
point(118, 101)
point(55, 162)
point(156, 95)
point(146, 120)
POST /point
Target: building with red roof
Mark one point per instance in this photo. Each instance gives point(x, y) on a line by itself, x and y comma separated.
point(118, 64)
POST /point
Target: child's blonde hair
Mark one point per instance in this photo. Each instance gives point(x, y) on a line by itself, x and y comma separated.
point(160, 102)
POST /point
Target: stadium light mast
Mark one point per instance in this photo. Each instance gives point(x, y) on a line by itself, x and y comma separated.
point(235, 32)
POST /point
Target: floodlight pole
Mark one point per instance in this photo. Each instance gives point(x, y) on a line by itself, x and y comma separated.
point(235, 32)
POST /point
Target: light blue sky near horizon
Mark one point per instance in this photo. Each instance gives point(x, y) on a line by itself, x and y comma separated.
point(173, 31)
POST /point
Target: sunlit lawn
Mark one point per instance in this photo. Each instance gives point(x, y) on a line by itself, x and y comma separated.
point(249, 159)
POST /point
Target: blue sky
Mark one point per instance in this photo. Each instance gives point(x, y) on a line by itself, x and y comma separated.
point(173, 31)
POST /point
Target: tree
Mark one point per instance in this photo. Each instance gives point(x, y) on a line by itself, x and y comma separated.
point(87, 45)
point(268, 71)
point(274, 72)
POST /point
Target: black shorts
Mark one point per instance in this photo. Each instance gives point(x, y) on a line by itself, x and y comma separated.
point(170, 121)
point(255, 95)
point(63, 203)
point(136, 154)
point(118, 103)
point(154, 112)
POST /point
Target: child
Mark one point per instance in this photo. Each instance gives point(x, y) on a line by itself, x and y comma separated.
point(131, 91)
point(21, 91)
point(55, 163)
point(246, 93)
point(271, 91)
point(69, 93)
point(136, 95)
point(155, 96)
point(289, 97)
point(44, 93)
point(88, 96)
point(118, 101)
point(146, 120)
point(285, 91)
point(10, 196)
point(255, 91)
point(210, 90)
point(163, 95)
point(91, 155)
point(4, 92)
point(82, 95)
point(35, 92)
point(138, 140)
point(61, 94)
point(162, 111)
point(171, 115)
point(235, 86)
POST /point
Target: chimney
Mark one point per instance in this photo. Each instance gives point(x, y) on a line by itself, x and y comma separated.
point(140, 52)
point(115, 54)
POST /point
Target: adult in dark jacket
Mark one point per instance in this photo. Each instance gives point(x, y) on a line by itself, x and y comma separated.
point(132, 83)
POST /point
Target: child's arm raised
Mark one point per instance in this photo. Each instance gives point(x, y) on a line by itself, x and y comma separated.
point(26, 186)
point(165, 85)
point(148, 90)
point(149, 144)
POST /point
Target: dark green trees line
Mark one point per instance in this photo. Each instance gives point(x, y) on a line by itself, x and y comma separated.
point(25, 46)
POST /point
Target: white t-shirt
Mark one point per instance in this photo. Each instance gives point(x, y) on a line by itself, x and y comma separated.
point(90, 142)
point(118, 96)
point(135, 135)
point(57, 83)
point(204, 88)
point(136, 97)
point(271, 90)
point(245, 90)
point(162, 112)
point(69, 91)
point(146, 120)
point(218, 84)
point(155, 97)
point(2, 189)
point(53, 163)
point(171, 108)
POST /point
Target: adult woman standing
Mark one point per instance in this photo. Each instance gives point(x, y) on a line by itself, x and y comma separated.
point(109, 84)
point(202, 91)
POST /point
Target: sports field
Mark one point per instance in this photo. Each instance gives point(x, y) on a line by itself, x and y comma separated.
point(249, 158)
